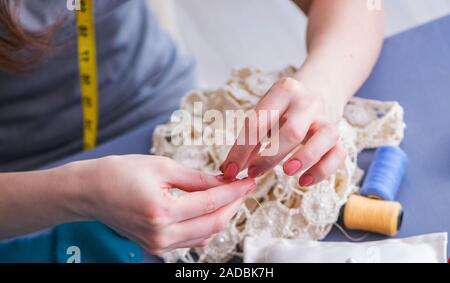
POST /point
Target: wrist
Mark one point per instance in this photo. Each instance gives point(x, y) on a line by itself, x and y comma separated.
point(79, 185)
point(333, 100)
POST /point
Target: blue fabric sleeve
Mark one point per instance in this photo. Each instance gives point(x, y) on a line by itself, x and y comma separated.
point(93, 241)
point(38, 248)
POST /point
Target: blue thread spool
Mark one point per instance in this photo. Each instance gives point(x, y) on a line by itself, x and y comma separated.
point(385, 173)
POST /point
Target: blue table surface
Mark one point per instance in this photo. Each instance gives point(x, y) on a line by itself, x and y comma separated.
point(414, 69)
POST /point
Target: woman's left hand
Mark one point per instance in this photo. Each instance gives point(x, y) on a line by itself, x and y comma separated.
point(306, 118)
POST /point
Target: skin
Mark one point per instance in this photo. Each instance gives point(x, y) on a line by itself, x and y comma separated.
point(344, 39)
point(131, 193)
point(128, 193)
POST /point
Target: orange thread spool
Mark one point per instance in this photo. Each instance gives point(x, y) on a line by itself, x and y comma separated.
point(366, 214)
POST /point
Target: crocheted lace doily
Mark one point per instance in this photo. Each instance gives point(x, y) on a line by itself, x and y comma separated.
point(279, 207)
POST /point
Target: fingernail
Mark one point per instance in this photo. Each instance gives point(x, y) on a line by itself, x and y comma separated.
point(254, 172)
point(231, 171)
point(292, 167)
point(306, 180)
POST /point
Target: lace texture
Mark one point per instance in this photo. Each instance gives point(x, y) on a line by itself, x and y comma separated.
point(279, 207)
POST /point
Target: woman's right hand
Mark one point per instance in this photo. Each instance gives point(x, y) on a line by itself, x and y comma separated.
point(131, 195)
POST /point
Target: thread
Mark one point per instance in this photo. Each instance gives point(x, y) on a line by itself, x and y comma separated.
point(385, 173)
point(371, 215)
point(348, 236)
point(264, 211)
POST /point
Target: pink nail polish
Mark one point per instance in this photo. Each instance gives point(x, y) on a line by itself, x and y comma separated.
point(306, 180)
point(231, 171)
point(254, 172)
point(291, 167)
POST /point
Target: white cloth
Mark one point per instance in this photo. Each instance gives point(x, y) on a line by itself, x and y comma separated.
point(430, 248)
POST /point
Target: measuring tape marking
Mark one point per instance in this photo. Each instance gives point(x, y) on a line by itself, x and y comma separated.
point(87, 60)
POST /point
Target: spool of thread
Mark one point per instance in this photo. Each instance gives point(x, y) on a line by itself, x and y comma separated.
point(371, 215)
point(385, 173)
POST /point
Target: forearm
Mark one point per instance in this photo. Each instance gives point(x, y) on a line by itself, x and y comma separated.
point(33, 201)
point(344, 40)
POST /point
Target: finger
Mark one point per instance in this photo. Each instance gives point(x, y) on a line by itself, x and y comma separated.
point(196, 243)
point(327, 166)
point(169, 245)
point(261, 124)
point(255, 129)
point(207, 225)
point(254, 153)
point(283, 142)
point(205, 202)
point(188, 179)
point(199, 243)
point(322, 141)
point(205, 242)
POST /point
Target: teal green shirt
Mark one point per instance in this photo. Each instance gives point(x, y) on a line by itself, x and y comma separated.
point(84, 242)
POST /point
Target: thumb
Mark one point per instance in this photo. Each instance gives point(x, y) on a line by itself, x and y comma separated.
point(191, 180)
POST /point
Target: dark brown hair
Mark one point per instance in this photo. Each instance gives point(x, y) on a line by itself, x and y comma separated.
point(19, 47)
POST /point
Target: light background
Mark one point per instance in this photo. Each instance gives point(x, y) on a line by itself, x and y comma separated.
point(267, 34)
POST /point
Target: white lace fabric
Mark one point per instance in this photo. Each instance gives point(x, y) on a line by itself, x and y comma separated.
point(279, 208)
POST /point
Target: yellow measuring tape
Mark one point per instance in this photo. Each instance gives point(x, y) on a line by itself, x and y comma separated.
point(87, 58)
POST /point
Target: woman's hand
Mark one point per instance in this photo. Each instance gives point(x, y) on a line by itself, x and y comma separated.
point(306, 118)
point(132, 196)
point(344, 40)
